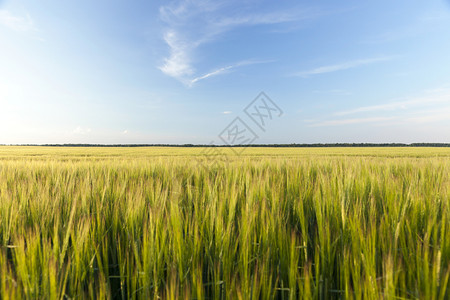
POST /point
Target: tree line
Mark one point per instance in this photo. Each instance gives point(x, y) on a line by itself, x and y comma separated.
point(293, 145)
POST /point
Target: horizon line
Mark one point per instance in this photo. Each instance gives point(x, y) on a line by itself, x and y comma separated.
point(280, 145)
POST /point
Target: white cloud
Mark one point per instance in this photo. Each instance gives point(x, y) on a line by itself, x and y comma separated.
point(434, 97)
point(334, 92)
point(351, 121)
point(178, 64)
point(226, 69)
point(343, 66)
point(429, 116)
point(17, 23)
point(191, 24)
point(213, 73)
point(417, 117)
point(434, 106)
point(125, 132)
point(81, 131)
point(260, 19)
point(227, 112)
point(428, 22)
point(388, 106)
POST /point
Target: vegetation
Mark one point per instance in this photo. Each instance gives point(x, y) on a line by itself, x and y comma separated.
point(282, 223)
point(255, 145)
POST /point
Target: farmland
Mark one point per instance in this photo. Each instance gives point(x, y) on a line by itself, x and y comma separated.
point(283, 223)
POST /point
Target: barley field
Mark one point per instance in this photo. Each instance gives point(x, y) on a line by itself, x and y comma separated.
point(270, 223)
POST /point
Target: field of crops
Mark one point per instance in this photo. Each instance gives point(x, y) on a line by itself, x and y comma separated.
point(170, 223)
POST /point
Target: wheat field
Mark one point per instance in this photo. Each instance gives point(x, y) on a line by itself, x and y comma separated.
point(172, 223)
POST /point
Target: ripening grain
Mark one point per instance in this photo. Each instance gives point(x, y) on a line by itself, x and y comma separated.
point(282, 223)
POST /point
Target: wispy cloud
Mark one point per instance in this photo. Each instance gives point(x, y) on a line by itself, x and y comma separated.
point(17, 23)
point(333, 91)
point(226, 69)
point(260, 19)
point(227, 112)
point(350, 121)
point(178, 64)
point(191, 24)
point(373, 108)
point(434, 106)
point(428, 22)
point(213, 73)
point(393, 35)
point(343, 66)
point(435, 115)
point(81, 131)
point(437, 96)
point(418, 117)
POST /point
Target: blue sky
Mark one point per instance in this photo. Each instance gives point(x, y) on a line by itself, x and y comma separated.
point(181, 71)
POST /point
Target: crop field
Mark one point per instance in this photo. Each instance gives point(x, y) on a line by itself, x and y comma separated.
point(170, 223)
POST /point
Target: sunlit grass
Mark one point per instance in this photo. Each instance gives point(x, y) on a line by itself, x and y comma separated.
point(281, 223)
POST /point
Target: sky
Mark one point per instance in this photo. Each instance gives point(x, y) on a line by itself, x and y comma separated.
point(191, 71)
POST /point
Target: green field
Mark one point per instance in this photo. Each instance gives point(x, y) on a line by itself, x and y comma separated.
point(170, 223)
